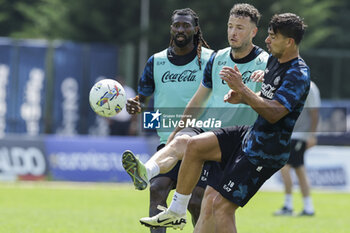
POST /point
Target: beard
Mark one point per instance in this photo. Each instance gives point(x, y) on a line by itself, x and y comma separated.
point(242, 47)
point(276, 54)
point(183, 43)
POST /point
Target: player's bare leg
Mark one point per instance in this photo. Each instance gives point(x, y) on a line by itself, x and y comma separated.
point(305, 191)
point(206, 223)
point(287, 208)
point(287, 179)
point(167, 157)
point(303, 182)
point(200, 148)
point(224, 215)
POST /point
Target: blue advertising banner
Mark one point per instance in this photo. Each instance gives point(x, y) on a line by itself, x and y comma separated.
point(7, 85)
point(22, 158)
point(68, 80)
point(95, 159)
point(30, 101)
point(102, 64)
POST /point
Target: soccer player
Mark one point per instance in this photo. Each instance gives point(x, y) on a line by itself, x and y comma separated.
point(187, 53)
point(303, 138)
point(249, 155)
point(242, 28)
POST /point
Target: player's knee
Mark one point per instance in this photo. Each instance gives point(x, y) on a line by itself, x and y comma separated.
point(208, 207)
point(179, 145)
point(193, 148)
point(223, 208)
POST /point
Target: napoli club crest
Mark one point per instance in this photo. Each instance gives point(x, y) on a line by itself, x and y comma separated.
point(277, 80)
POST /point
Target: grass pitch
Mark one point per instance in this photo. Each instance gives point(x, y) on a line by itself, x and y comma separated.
point(114, 208)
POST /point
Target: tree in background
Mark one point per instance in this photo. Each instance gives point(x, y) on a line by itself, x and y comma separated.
point(11, 19)
point(79, 20)
point(317, 14)
point(118, 21)
point(340, 38)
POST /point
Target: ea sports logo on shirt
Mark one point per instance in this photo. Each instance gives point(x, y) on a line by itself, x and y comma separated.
point(151, 120)
point(221, 63)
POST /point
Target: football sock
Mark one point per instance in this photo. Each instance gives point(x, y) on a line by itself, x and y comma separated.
point(288, 201)
point(152, 169)
point(179, 203)
point(308, 207)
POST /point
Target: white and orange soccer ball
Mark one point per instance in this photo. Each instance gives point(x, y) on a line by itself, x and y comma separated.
point(107, 97)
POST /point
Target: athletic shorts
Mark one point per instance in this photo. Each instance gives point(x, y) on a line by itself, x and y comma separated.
point(239, 179)
point(174, 172)
point(297, 150)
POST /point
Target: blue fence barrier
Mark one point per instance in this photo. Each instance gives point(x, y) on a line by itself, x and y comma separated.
point(80, 158)
point(69, 80)
point(45, 86)
point(7, 85)
point(31, 87)
point(92, 158)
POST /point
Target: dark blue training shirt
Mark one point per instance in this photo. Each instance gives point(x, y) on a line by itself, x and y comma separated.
point(268, 144)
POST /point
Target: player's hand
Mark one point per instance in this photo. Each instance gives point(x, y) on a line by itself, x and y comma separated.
point(233, 97)
point(232, 76)
point(258, 76)
point(133, 105)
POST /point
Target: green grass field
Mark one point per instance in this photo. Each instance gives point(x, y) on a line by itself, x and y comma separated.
point(114, 208)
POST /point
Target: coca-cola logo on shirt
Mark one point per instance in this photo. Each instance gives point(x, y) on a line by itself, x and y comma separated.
point(185, 76)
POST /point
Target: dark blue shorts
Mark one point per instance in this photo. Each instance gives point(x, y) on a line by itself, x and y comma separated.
point(174, 172)
point(227, 148)
point(235, 177)
point(297, 151)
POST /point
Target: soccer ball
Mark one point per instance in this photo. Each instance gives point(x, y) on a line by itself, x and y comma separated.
point(107, 97)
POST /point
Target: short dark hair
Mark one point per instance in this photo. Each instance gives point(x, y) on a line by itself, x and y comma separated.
point(246, 10)
point(289, 25)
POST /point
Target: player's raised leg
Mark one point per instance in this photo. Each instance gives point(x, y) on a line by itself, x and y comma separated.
point(199, 149)
point(161, 162)
point(136, 170)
